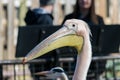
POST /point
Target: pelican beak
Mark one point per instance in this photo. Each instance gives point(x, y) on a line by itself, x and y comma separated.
point(61, 38)
point(43, 73)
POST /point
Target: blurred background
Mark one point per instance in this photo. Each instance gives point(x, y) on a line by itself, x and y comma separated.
point(12, 13)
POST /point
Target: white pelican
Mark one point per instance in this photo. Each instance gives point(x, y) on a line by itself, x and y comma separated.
point(54, 73)
point(74, 33)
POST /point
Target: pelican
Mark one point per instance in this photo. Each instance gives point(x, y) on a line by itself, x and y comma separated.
point(54, 73)
point(75, 33)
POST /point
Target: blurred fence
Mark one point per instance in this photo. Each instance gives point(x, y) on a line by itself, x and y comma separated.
point(20, 71)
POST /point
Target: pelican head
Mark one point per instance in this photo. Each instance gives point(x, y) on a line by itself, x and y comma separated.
point(54, 73)
point(71, 34)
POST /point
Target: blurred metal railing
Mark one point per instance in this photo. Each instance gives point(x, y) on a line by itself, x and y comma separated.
point(111, 70)
point(20, 71)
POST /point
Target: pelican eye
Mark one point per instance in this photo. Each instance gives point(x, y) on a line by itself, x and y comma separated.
point(73, 25)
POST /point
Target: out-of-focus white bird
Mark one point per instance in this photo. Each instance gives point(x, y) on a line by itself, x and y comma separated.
point(74, 33)
point(54, 73)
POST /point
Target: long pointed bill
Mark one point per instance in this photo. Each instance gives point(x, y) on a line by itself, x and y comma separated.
point(62, 37)
point(43, 73)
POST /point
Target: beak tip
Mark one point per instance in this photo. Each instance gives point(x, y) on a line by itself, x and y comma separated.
point(24, 60)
